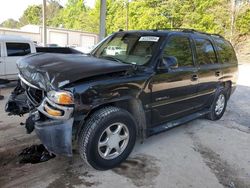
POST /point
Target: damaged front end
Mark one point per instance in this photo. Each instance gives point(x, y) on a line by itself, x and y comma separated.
point(50, 115)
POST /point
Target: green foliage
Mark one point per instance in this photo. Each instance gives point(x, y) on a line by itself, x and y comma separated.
point(10, 23)
point(212, 16)
point(74, 16)
point(243, 22)
point(52, 11)
point(32, 15)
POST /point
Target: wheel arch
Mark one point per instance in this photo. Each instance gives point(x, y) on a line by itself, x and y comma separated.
point(132, 105)
point(227, 85)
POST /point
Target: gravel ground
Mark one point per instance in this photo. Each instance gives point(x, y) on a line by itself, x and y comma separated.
point(199, 154)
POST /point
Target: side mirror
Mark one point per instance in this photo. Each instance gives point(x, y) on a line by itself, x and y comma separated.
point(168, 62)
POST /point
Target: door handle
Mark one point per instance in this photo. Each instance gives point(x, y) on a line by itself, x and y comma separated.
point(194, 77)
point(217, 73)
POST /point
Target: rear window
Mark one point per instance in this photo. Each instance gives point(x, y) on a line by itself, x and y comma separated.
point(18, 49)
point(205, 52)
point(226, 51)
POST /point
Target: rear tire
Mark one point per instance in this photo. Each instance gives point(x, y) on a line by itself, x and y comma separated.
point(107, 138)
point(219, 105)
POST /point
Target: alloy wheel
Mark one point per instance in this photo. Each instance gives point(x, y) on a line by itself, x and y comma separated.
point(113, 141)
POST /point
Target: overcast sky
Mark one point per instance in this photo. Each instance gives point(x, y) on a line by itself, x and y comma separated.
point(14, 8)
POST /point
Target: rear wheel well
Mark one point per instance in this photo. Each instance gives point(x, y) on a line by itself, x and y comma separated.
point(227, 86)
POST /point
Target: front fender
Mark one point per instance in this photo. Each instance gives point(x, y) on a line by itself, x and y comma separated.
point(98, 93)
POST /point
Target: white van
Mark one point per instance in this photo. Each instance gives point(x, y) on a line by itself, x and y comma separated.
point(11, 49)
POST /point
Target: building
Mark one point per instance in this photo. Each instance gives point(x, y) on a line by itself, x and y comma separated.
point(55, 36)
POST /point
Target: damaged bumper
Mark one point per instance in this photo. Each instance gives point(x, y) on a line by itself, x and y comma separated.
point(52, 122)
point(56, 135)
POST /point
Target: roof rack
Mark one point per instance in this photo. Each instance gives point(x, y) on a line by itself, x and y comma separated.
point(188, 30)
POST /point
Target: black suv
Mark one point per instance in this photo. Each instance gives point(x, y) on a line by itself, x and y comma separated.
point(132, 85)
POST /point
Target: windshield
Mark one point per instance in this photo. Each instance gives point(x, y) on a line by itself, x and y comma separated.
point(128, 48)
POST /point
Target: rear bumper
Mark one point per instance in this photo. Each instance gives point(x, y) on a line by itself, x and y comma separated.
point(56, 135)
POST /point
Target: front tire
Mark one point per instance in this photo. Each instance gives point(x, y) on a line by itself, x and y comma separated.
point(107, 138)
point(219, 105)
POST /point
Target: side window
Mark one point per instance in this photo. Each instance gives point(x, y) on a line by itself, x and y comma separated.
point(180, 48)
point(226, 51)
point(205, 52)
point(18, 49)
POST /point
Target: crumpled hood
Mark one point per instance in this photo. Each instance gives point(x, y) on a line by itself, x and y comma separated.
point(53, 71)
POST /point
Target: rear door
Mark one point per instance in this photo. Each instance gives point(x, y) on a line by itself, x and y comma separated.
point(15, 50)
point(228, 59)
point(209, 70)
point(174, 90)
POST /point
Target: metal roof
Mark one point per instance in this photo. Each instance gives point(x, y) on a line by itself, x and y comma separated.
point(14, 38)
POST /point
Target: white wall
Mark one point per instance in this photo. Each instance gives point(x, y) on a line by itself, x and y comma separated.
point(62, 37)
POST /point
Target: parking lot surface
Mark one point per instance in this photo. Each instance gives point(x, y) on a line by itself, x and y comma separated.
point(199, 154)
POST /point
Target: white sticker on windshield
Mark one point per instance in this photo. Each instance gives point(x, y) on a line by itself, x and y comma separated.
point(149, 39)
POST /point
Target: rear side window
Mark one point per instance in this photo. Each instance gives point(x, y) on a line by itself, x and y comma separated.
point(180, 48)
point(225, 50)
point(18, 49)
point(205, 52)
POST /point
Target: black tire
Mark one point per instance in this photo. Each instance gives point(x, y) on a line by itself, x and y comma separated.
point(92, 131)
point(213, 115)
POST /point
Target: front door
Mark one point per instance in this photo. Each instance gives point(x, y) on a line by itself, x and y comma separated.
point(2, 65)
point(15, 50)
point(174, 90)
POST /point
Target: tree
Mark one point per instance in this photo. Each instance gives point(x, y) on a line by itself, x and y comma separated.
point(72, 16)
point(76, 15)
point(10, 23)
point(243, 22)
point(212, 16)
point(53, 8)
point(32, 15)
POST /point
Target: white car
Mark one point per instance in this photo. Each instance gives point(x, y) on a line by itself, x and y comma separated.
point(114, 50)
point(11, 49)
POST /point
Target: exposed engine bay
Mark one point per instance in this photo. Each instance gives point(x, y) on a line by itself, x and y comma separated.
point(18, 104)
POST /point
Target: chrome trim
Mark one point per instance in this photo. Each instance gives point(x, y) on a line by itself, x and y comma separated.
point(179, 99)
point(27, 83)
point(67, 111)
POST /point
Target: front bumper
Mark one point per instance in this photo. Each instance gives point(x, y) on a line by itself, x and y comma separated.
point(55, 132)
point(56, 135)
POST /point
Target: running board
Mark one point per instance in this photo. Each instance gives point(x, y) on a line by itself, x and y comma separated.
point(175, 123)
